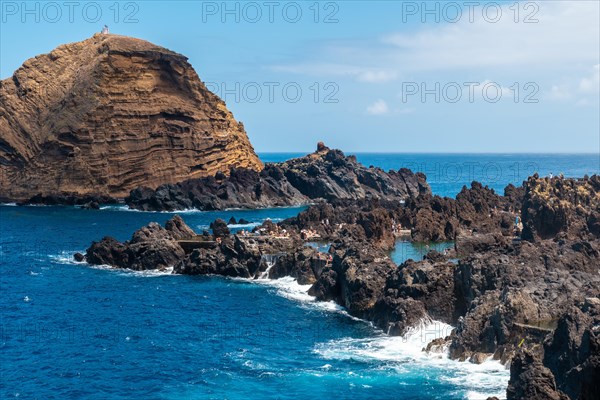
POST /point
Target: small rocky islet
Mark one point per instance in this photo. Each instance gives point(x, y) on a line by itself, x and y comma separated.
point(521, 284)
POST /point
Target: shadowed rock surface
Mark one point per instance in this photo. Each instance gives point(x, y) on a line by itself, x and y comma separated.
point(325, 174)
point(108, 114)
point(567, 366)
point(151, 247)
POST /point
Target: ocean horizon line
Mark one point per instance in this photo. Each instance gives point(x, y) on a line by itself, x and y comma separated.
point(438, 153)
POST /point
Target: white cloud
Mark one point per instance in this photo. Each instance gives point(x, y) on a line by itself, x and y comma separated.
point(581, 90)
point(408, 110)
point(591, 84)
point(362, 74)
point(566, 36)
point(380, 107)
point(567, 32)
point(377, 76)
point(504, 92)
point(559, 93)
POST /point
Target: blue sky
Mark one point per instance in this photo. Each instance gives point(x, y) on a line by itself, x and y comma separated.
point(378, 76)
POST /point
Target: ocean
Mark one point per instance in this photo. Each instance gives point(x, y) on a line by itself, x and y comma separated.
point(70, 331)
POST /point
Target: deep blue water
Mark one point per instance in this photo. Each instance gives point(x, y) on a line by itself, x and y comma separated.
point(447, 173)
point(69, 331)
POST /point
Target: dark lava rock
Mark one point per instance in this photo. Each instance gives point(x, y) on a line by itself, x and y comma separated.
point(505, 293)
point(151, 247)
point(89, 201)
point(414, 292)
point(480, 243)
point(219, 228)
point(477, 209)
point(109, 251)
point(244, 256)
point(396, 315)
point(568, 364)
point(362, 220)
point(305, 265)
point(359, 272)
point(179, 229)
point(557, 205)
point(531, 380)
point(573, 351)
point(326, 287)
point(325, 174)
point(92, 205)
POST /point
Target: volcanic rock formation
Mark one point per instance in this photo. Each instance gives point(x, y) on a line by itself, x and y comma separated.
point(533, 300)
point(325, 174)
point(109, 114)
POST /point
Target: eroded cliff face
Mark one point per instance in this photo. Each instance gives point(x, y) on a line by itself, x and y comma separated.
point(109, 114)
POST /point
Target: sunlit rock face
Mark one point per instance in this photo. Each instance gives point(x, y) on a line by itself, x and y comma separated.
point(109, 114)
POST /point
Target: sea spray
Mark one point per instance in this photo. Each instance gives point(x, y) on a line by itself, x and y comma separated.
point(269, 260)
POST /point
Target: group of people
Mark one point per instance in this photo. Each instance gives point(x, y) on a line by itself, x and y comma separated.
point(397, 228)
point(276, 233)
point(307, 234)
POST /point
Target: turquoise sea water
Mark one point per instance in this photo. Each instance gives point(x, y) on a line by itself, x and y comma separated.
point(69, 331)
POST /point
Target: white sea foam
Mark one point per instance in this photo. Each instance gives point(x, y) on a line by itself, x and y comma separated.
point(123, 207)
point(113, 207)
point(289, 288)
point(66, 257)
point(475, 381)
point(387, 348)
point(248, 226)
point(151, 273)
point(242, 226)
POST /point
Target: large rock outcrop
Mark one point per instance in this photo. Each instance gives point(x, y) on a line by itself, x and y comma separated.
point(109, 114)
point(561, 207)
point(326, 174)
point(477, 209)
point(567, 366)
point(151, 247)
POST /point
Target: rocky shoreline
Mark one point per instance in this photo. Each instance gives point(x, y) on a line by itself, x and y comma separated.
point(527, 295)
point(116, 119)
point(325, 175)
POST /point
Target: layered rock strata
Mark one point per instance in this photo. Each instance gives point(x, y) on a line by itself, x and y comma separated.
point(108, 114)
